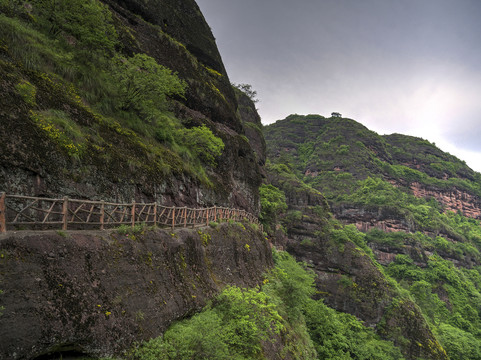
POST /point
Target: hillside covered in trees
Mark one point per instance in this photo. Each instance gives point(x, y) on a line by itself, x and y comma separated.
point(413, 208)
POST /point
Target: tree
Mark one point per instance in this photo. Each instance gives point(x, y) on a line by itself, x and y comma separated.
point(247, 89)
point(273, 203)
point(203, 143)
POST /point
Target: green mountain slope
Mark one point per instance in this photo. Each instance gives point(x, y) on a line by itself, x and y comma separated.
point(391, 182)
point(414, 208)
point(333, 153)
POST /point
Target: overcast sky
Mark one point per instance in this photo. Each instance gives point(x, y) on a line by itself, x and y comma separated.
point(405, 66)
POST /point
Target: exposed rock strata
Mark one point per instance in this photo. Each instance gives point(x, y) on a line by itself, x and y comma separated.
point(452, 200)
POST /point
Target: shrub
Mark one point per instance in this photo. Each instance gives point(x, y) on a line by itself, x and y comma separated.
point(144, 84)
point(85, 25)
point(291, 281)
point(273, 203)
point(232, 327)
point(125, 229)
point(27, 91)
point(458, 343)
point(203, 143)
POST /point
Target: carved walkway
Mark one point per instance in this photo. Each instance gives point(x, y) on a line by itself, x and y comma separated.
point(34, 213)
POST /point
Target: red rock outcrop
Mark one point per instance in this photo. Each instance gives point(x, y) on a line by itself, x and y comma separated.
point(452, 200)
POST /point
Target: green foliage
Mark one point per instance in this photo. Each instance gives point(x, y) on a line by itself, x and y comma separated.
point(375, 191)
point(342, 336)
point(203, 143)
point(247, 90)
point(85, 25)
point(28, 92)
point(250, 316)
point(232, 327)
point(448, 297)
point(392, 239)
point(213, 224)
point(334, 335)
point(403, 268)
point(239, 321)
point(273, 203)
point(458, 343)
point(32, 48)
point(133, 230)
point(432, 306)
point(58, 128)
point(144, 84)
point(343, 150)
point(292, 282)
point(199, 338)
point(425, 215)
point(343, 234)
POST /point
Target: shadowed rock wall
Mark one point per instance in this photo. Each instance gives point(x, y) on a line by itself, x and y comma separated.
point(98, 292)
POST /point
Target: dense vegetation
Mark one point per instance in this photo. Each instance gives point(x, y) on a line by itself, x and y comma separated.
point(101, 95)
point(438, 250)
point(332, 154)
point(241, 323)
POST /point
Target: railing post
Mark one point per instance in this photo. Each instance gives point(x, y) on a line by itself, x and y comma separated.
point(3, 225)
point(132, 215)
point(215, 213)
point(207, 217)
point(155, 213)
point(173, 218)
point(65, 213)
point(185, 216)
point(102, 214)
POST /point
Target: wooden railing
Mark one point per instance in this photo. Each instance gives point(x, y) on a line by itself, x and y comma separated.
point(34, 213)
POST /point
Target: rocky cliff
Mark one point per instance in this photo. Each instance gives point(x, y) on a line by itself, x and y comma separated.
point(120, 100)
point(348, 278)
point(97, 293)
point(64, 128)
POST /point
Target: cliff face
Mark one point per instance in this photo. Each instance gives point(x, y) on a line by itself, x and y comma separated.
point(348, 279)
point(85, 151)
point(76, 120)
point(97, 293)
point(177, 36)
point(451, 199)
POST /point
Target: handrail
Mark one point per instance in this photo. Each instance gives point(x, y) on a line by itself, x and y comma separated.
point(31, 212)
